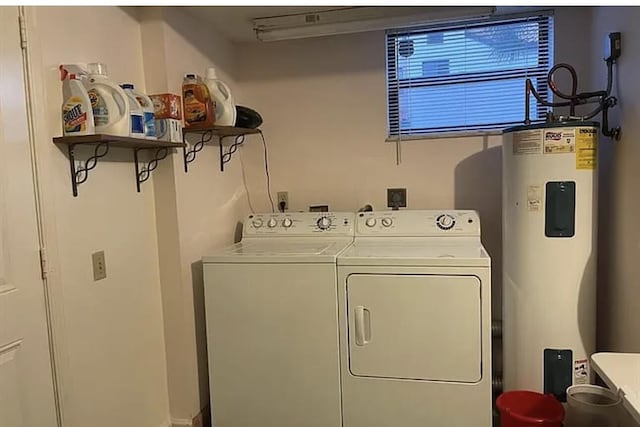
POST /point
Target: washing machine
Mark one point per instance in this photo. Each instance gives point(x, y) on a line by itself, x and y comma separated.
point(414, 299)
point(272, 322)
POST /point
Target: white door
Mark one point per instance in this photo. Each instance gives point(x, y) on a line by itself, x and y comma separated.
point(26, 385)
point(420, 327)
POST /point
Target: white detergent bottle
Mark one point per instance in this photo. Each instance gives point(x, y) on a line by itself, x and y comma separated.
point(77, 113)
point(225, 105)
point(148, 112)
point(135, 112)
point(108, 101)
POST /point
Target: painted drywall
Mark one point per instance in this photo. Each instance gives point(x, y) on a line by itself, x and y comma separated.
point(109, 334)
point(619, 234)
point(324, 106)
point(197, 212)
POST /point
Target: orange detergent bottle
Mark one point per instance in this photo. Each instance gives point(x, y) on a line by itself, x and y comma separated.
point(199, 110)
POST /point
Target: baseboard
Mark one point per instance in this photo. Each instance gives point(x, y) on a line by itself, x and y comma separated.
point(203, 419)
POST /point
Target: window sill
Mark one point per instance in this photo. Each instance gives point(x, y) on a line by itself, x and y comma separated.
point(443, 135)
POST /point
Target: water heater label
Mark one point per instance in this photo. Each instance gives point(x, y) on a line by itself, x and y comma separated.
point(534, 198)
point(586, 148)
point(527, 142)
point(581, 371)
point(559, 141)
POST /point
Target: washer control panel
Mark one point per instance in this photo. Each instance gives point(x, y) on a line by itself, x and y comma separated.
point(418, 223)
point(300, 224)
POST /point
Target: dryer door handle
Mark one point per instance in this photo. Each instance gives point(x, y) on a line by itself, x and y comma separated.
point(363, 325)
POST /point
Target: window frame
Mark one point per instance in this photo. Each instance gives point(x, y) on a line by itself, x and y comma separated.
point(546, 52)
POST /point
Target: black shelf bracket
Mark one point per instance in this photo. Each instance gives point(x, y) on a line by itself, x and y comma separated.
point(191, 151)
point(143, 170)
point(80, 173)
point(225, 157)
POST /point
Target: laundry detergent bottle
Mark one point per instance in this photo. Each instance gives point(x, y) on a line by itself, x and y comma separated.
point(148, 113)
point(109, 102)
point(77, 113)
point(199, 111)
point(135, 112)
point(225, 105)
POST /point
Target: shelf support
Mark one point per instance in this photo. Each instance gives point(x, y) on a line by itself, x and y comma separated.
point(190, 152)
point(225, 157)
point(80, 173)
point(143, 170)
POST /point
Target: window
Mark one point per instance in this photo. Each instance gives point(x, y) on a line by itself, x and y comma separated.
point(468, 76)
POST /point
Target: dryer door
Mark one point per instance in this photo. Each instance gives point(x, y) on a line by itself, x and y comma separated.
point(421, 327)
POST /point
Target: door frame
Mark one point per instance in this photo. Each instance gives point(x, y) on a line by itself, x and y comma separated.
point(39, 142)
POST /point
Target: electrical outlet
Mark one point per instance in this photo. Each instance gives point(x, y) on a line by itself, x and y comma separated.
point(283, 200)
point(99, 266)
point(396, 198)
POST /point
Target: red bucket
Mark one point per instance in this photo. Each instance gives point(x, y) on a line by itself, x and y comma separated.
point(521, 408)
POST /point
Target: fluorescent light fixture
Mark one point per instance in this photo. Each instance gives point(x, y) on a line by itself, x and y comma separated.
point(360, 19)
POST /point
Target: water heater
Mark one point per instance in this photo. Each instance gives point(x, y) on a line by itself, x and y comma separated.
point(549, 207)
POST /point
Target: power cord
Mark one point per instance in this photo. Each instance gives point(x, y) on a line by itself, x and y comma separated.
point(266, 170)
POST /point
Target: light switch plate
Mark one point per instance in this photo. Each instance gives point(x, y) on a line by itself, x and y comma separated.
point(396, 198)
point(99, 266)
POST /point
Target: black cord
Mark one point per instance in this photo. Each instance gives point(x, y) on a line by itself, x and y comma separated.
point(266, 170)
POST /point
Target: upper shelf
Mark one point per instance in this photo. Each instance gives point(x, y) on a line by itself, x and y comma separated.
point(223, 131)
point(116, 141)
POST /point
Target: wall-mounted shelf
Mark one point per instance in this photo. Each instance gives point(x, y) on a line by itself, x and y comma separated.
point(102, 143)
point(206, 135)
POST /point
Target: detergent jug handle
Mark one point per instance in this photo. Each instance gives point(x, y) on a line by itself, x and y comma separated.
point(121, 100)
point(224, 89)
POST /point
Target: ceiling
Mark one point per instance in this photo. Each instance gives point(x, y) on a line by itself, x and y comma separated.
point(235, 22)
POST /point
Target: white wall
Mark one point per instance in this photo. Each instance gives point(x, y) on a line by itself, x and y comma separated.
point(324, 105)
point(619, 233)
point(197, 212)
point(109, 333)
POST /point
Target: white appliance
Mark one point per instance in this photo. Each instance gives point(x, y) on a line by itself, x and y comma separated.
point(271, 313)
point(414, 297)
point(549, 245)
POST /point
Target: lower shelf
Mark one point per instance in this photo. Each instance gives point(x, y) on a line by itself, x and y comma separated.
point(102, 143)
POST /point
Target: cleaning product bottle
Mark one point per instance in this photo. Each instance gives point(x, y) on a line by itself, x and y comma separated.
point(199, 111)
point(77, 114)
point(135, 112)
point(225, 105)
point(148, 112)
point(108, 101)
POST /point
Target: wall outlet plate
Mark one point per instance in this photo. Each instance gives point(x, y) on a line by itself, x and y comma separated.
point(99, 266)
point(396, 198)
point(283, 200)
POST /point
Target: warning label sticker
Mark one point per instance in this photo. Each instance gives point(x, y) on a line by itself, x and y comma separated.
point(586, 148)
point(581, 371)
point(527, 142)
point(558, 141)
point(534, 198)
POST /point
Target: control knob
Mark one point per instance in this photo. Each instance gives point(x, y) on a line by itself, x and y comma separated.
point(272, 222)
point(370, 222)
point(323, 223)
point(386, 221)
point(445, 222)
point(257, 223)
point(287, 222)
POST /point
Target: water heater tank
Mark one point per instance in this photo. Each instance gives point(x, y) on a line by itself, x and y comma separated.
point(549, 207)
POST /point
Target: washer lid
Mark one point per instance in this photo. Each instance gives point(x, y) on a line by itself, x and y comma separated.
point(430, 252)
point(621, 372)
point(281, 250)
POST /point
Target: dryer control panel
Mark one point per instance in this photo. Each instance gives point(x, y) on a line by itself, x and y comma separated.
point(299, 224)
point(414, 223)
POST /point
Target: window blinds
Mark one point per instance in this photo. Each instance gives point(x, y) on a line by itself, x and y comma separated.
point(468, 76)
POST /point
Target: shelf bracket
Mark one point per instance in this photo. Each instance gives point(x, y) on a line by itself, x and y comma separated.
point(143, 170)
point(225, 157)
point(80, 173)
point(190, 151)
